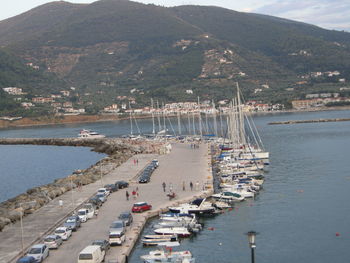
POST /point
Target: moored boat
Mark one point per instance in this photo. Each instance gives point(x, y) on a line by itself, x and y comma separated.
point(88, 134)
point(179, 231)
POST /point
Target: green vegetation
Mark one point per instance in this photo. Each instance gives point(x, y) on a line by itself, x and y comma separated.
point(110, 48)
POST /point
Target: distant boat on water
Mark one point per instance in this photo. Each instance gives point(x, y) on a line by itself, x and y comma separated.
point(88, 134)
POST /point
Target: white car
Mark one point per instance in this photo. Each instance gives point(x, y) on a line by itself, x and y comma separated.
point(39, 252)
point(103, 191)
point(83, 215)
point(53, 241)
point(63, 232)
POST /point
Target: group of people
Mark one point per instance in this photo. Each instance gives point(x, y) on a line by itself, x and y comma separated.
point(194, 146)
point(183, 186)
point(134, 193)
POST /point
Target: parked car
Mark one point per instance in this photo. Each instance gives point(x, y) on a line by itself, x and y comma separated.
point(83, 215)
point(53, 241)
point(39, 252)
point(144, 178)
point(111, 187)
point(73, 223)
point(116, 238)
point(126, 217)
point(103, 243)
point(103, 191)
point(155, 162)
point(140, 207)
point(91, 254)
point(118, 226)
point(122, 184)
point(63, 232)
point(96, 201)
point(102, 197)
point(91, 210)
point(26, 259)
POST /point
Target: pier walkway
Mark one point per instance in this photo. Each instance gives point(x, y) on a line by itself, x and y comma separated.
point(183, 164)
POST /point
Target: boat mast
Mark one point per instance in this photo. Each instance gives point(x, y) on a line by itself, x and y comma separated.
point(131, 130)
point(189, 123)
point(153, 125)
point(214, 118)
point(194, 127)
point(179, 122)
point(221, 124)
point(206, 122)
point(158, 117)
point(164, 117)
point(241, 117)
point(200, 119)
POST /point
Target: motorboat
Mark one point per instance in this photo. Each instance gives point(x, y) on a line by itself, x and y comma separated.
point(177, 217)
point(198, 207)
point(179, 231)
point(155, 240)
point(88, 134)
point(193, 225)
point(230, 196)
point(221, 204)
point(167, 255)
point(243, 191)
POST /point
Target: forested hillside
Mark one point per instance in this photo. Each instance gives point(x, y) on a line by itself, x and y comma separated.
point(116, 48)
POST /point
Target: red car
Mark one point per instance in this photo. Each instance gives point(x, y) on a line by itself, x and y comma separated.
point(140, 207)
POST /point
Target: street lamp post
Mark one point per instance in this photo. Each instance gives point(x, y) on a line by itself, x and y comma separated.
point(21, 211)
point(251, 238)
point(101, 174)
point(71, 182)
point(22, 238)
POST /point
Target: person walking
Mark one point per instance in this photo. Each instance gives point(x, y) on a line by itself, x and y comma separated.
point(183, 186)
point(170, 187)
point(127, 195)
point(133, 194)
point(137, 191)
point(191, 185)
point(197, 186)
point(60, 203)
point(164, 186)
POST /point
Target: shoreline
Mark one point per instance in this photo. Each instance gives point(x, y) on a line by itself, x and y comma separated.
point(118, 151)
point(81, 119)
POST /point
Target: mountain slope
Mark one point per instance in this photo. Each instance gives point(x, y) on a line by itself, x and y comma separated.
point(274, 37)
point(35, 22)
point(115, 47)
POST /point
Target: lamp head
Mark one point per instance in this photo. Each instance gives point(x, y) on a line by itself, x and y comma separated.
point(251, 238)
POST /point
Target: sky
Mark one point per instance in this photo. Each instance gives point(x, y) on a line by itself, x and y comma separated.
point(329, 14)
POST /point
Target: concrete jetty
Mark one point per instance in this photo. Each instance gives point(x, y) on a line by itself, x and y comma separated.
point(183, 164)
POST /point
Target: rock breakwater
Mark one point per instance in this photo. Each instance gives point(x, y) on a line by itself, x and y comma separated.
point(308, 121)
point(118, 151)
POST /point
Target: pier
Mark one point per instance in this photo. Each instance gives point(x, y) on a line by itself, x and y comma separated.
point(182, 164)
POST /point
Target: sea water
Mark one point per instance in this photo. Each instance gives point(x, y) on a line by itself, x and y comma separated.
point(303, 205)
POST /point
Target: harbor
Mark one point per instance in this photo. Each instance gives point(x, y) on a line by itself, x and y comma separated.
point(287, 190)
point(194, 166)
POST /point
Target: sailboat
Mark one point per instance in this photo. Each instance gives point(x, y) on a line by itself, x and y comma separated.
point(246, 146)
